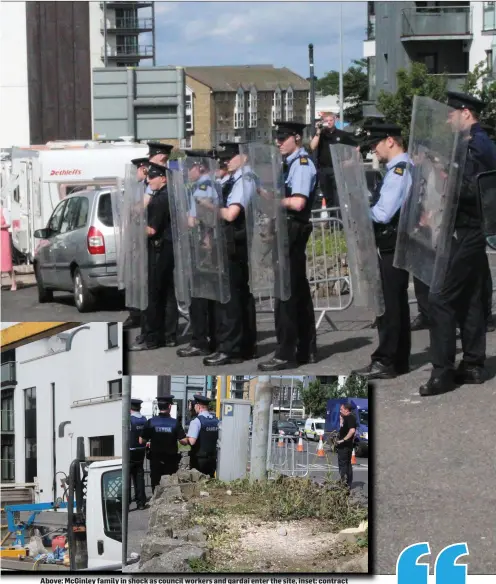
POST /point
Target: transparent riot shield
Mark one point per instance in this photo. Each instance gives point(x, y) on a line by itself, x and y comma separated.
point(437, 151)
point(134, 242)
point(486, 185)
point(117, 200)
point(363, 259)
point(202, 256)
point(266, 222)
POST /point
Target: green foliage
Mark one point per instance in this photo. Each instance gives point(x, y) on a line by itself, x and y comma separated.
point(315, 396)
point(487, 93)
point(355, 87)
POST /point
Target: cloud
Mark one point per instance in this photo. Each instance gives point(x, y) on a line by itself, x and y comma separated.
point(236, 33)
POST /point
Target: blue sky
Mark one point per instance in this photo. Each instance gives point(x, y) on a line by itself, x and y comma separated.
point(242, 33)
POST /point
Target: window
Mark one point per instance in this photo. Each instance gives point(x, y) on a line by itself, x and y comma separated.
point(386, 66)
point(188, 110)
point(115, 388)
point(239, 109)
point(8, 460)
point(83, 213)
point(105, 210)
point(112, 335)
point(429, 60)
point(288, 104)
point(7, 412)
point(489, 62)
point(252, 108)
point(112, 504)
point(276, 106)
point(186, 143)
point(489, 16)
point(54, 222)
point(31, 465)
point(102, 446)
point(70, 215)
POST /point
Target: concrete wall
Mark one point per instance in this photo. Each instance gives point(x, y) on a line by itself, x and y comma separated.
point(79, 374)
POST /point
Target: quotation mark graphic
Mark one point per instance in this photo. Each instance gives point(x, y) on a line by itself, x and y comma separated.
point(446, 571)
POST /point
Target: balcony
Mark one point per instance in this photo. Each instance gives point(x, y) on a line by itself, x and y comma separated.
point(8, 470)
point(128, 25)
point(7, 417)
point(126, 4)
point(9, 374)
point(489, 22)
point(446, 22)
point(129, 52)
point(455, 81)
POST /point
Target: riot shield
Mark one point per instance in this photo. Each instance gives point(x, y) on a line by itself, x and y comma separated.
point(266, 222)
point(200, 241)
point(486, 185)
point(117, 200)
point(437, 152)
point(363, 259)
point(133, 259)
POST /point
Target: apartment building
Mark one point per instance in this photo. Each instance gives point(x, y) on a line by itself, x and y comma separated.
point(53, 391)
point(241, 103)
point(450, 38)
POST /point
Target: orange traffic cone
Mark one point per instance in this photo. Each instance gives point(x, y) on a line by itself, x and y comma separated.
point(320, 449)
point(280, 443)
point(324, 214)
point(299, 448)
point(353, 457)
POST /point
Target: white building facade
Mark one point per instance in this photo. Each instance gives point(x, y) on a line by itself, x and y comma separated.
point(68, 386)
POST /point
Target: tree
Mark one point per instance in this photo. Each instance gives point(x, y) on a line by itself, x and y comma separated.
point(316, 394)
point(355, 87)
point(486, 91)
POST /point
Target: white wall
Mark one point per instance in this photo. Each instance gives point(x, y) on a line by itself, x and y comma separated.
point(79, 374)
point(480, 43)
point(14, 102)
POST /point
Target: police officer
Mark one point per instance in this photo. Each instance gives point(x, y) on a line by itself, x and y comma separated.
point(135, 317)
point(160, 266)
point(163, 433)
point(295, 318)
point(203, 433)
point(137, 452)
point(159, 153)
point(461, 298)
point(201, 310)
point(391, 358)
point(236, 332)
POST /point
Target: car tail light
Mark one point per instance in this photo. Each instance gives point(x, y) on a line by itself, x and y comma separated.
point(96, 241)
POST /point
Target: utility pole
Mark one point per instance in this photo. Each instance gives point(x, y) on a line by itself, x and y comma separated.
point(341, 89)
point(126, 407)
point(163, 385)
point(312, 87)
point(261, 430)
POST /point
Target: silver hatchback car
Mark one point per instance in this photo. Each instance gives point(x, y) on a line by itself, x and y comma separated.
point(78, 250)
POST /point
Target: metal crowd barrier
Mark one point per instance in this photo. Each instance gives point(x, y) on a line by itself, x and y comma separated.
point(284, 459)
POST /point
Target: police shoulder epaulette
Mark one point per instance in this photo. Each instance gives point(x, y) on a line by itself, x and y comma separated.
point(399, 170)
point(303, 160)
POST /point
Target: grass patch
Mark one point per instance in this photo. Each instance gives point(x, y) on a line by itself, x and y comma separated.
point(201, 566)
point(331, 241)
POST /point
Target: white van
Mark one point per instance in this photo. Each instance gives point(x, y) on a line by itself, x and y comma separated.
point(314, 428)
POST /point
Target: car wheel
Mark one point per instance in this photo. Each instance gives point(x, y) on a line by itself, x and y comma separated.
point(83, 297)
point(44, 295)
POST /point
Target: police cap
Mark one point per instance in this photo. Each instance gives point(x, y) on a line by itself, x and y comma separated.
point(155, 170)
point(460, 101)
point(165, 400)
point(377, 131)
point(159, 148)
point(286, 129)
point(201, 399)
point(136, 402)
point(139, 162)
point(229, 150)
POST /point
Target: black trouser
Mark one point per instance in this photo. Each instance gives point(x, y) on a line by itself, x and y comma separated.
point(160, 294)
point(202, 322)
point(236, 324)
point(460, 301)
point(137, 476)
point(205, 464)
point(394, 325)
point(327, 183)
point(487, 292)
point(295, 318)
point(422, 296)
point(161, 465)
point(344, 464)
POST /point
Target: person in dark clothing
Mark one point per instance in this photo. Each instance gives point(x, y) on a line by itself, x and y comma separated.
point(203, 433)
point(137, 453)
point(345, 442)
point(461, 298)
point(160, 265)
point(163, 433)
point(325, 135)
point(391, 358)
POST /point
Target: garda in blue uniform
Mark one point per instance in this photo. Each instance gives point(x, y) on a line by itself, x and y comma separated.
point(205, 429)
point(235, 336)
point(136, 317)
point(161, 315)
point(163, 433)
point(461, 299)
point(201, 310)
point(137, 453)
point(391, 358)
point(295, 318)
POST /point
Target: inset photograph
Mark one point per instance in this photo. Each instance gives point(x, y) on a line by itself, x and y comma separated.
point(61, 465)
point(235, 474)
